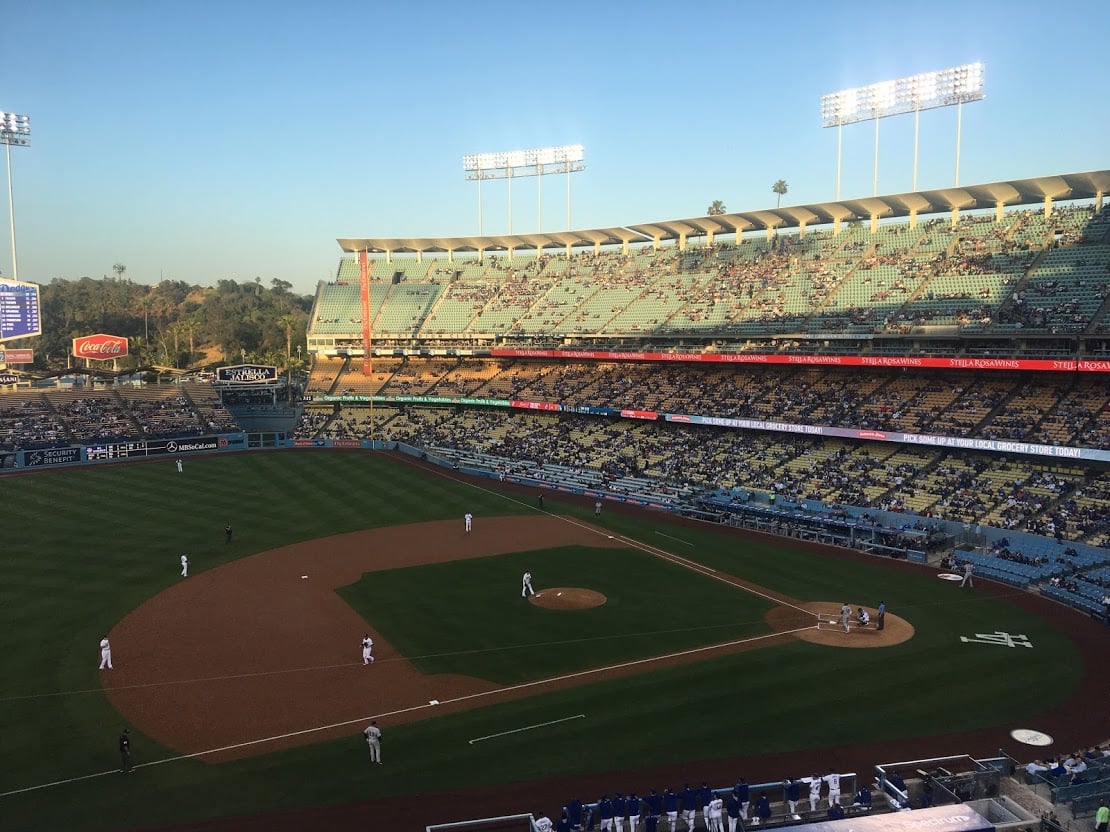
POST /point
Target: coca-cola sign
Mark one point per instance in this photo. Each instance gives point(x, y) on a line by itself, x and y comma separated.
point(100, 347)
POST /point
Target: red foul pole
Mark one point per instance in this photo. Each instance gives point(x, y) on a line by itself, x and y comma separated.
point(364, 285)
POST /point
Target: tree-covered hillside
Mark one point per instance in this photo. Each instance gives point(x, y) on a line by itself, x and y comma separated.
point(172, 323)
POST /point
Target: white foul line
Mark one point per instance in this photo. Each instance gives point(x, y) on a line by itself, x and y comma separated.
point(526, 728)
point(678, 540)
point(480, 695)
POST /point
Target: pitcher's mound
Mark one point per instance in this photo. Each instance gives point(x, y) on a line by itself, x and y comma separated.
point(567, 598)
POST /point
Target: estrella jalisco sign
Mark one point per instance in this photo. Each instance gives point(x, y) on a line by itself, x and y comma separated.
point(246, 373)
point(100, 347)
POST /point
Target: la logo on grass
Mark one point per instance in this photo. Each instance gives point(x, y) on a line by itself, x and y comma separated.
point(998, 637)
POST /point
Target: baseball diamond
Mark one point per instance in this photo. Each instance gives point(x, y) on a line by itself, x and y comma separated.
point(261, 682)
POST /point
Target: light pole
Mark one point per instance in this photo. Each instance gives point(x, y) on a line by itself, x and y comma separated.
point(567, 158)
point(14, 129)
point(956, 85)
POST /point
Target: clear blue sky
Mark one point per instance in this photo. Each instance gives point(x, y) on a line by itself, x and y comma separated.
point(211, 140)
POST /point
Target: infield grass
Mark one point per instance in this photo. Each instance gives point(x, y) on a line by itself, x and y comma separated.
point(468, 616)
point(86, 546)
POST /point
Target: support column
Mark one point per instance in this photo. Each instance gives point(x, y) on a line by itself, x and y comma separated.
point(839, 148)
point(364, 291)
point(875, 175)
point(1048, 206)
point(997, 213)
point(913, 218)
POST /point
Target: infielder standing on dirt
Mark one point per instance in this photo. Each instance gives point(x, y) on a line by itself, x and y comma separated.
point(526, 589)
point(845, 615)
point(373, 736)
point(468, 519)
point(367, 646)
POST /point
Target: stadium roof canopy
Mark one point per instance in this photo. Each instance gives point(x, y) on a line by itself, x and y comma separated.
point(993, 195)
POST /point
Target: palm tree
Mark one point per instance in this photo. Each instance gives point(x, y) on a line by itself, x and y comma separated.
point(119, 269)
point(715, 209)
point(780, 189)
point(288, 322)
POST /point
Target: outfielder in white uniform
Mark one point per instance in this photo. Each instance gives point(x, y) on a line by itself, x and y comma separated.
point(468, 518)
point(105, 654)
point(367, 646)
point(526, 589)
point(184, 566)
point(833, 779)
point(373, 736)
point(180, 466)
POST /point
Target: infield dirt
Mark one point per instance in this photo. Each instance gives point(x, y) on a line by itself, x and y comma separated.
point(252, 657)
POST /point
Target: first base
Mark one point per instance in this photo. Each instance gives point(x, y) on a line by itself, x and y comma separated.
point(304, 577)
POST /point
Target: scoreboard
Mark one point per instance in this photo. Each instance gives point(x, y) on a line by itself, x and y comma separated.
point(153, 447)
point(19, 310)
point(116, 450)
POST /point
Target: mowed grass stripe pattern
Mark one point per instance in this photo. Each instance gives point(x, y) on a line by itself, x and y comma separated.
point(92, 544)
point(89, 545)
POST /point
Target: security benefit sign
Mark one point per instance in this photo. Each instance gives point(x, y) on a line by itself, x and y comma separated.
point(246, 373)
point(50, 456)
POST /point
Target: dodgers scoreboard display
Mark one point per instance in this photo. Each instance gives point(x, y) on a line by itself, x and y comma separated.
point(19, 310)
point(158, 447)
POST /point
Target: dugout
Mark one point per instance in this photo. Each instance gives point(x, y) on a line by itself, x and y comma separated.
point(958, 818)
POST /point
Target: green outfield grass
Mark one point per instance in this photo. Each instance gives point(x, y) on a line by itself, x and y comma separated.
point(86, 546)
point(469, 617)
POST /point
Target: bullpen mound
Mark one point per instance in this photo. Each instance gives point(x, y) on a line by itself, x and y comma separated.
point(568, 598)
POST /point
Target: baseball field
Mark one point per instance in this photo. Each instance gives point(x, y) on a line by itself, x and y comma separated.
point(655, 648)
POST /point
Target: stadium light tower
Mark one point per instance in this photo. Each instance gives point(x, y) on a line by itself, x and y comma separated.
point(926, 91)
point(14, 129)
point(567, 158)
